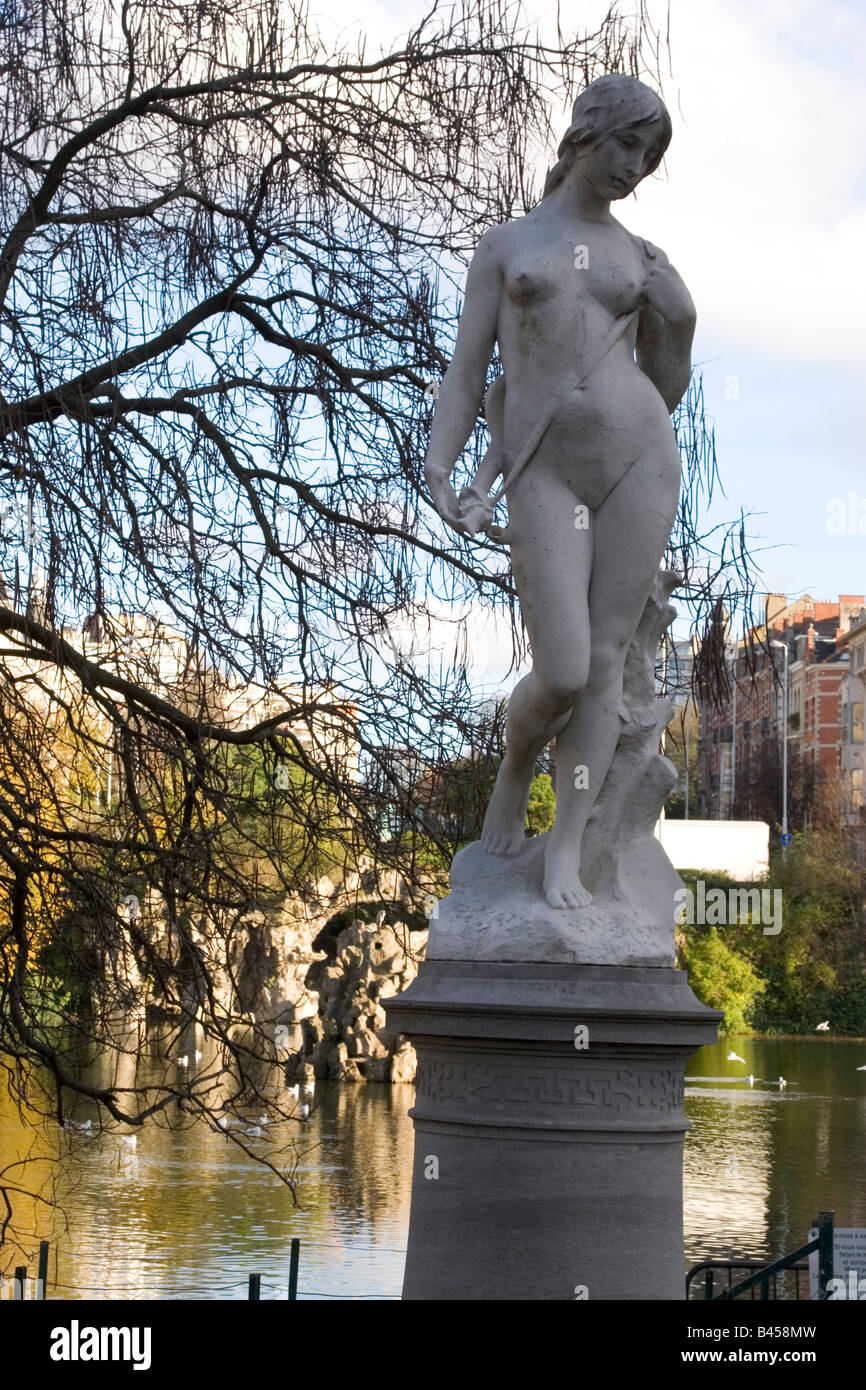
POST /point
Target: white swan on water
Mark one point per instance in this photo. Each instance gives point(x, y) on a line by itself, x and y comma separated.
point(732, 1057)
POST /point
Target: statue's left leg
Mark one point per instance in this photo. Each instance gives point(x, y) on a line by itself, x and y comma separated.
point(631, 530)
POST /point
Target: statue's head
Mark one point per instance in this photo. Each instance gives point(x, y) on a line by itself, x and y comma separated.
point(619, 122)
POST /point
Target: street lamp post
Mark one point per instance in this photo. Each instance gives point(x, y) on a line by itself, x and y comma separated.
point(687, 769)
point(732, 656)
point(734, 742)
point(784, 647)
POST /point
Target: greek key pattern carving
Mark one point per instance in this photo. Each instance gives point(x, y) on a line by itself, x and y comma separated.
point(616, 1092)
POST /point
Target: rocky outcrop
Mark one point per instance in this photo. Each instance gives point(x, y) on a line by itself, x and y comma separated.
point(373, 961)
point(295, 975)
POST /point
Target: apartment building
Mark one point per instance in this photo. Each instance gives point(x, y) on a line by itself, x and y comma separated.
point(852, 741)
point(740, 741)
point(147, 652)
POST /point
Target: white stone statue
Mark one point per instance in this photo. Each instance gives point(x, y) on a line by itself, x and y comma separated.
point(594, 328)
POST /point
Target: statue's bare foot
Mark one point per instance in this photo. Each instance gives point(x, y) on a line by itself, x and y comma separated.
point(562, 885)
point(503, 831)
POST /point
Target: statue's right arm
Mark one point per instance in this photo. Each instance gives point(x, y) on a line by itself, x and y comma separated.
point(462, 387)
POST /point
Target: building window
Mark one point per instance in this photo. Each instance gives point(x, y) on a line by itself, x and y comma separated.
point(856, 788)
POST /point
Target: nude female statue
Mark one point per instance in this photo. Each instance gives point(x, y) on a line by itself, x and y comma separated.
point(594, 328)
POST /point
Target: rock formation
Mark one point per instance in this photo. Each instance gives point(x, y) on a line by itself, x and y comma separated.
point(294, 975)
point(373, 962)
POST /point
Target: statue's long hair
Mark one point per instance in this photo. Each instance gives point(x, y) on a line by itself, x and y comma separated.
point(610, 104)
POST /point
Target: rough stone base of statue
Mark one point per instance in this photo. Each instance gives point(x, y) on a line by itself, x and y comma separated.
point(548, 1129)
point(497, 910)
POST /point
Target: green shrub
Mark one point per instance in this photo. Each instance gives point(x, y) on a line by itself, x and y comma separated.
point(542, 805)
point(721, 978)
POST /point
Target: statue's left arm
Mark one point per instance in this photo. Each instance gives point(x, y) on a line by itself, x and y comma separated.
point(666, 328)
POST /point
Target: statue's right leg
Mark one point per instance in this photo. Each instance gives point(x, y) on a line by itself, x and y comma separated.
point(533, 721)
point(551, 563)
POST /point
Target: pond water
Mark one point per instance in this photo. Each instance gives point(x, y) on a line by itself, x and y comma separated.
point(185, 1214)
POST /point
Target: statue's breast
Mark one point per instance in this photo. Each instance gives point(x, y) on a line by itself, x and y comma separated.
point(533, 280)
point(569, 276)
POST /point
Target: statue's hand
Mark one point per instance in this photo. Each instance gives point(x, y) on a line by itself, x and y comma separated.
point(476, 511)
point(445, 500)
point(665, 289)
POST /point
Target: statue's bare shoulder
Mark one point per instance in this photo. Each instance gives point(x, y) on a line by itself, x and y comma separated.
point(654, 255)
point(495, 246)
point(501, 240)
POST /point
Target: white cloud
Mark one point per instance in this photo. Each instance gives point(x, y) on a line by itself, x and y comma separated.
point(762, 207)
point(472, 634)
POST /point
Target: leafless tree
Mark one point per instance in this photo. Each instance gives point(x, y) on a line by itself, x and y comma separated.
point(230, 252)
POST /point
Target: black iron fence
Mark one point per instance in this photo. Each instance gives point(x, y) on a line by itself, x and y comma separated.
point(781, 1279)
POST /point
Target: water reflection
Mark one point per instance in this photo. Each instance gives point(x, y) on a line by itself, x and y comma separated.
point(183, 1213)
point(761, 1161)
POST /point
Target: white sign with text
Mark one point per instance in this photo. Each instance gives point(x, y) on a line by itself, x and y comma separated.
point(849, 1265)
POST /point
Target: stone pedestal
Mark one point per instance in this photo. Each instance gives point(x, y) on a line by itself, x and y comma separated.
point(548, 1160)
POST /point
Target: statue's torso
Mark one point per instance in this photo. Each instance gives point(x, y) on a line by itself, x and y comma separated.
point(565, 285)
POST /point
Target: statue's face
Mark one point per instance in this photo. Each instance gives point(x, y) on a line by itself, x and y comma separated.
point(615, 166)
